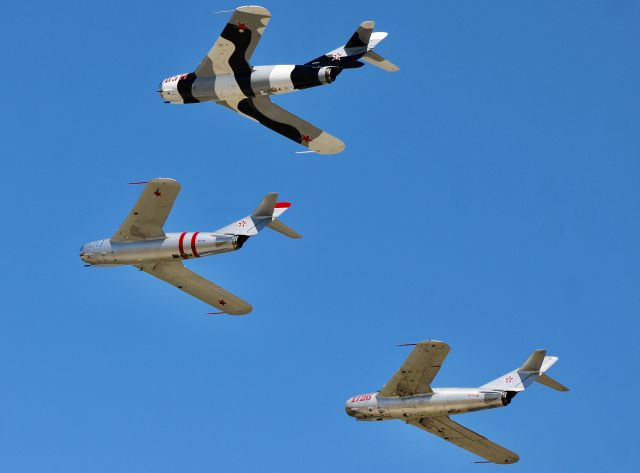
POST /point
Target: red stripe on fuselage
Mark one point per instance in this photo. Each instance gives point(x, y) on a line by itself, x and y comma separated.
point(193, 245)
point(181, 245)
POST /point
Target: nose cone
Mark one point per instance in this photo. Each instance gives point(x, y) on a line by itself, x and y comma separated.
point(85, 256)
point(349, 409)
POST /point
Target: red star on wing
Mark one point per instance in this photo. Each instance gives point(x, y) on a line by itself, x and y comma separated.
point(157, 193)
point(242, 26)
point(508, 379)
point(306, 138)
point(222, 302)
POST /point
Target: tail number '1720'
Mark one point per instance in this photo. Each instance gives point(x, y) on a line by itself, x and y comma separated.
point(362, 397)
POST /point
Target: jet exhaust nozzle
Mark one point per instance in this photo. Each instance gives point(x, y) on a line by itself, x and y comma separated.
point(507, 396)
point(239, 240)
point(328, 74)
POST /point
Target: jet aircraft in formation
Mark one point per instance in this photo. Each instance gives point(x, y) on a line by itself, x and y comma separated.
point(408, 396)
point(141, 242)
point(225, 76)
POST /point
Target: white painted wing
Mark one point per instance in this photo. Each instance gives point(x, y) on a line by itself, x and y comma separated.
point(265, 112)
point(233, 49)
point(418, 370)
point(175, 273)
point(459, 435)
point(146, 219)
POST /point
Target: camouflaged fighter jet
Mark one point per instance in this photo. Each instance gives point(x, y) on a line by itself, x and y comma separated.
point(225, 76)
point(408, 396)
point(141, 242)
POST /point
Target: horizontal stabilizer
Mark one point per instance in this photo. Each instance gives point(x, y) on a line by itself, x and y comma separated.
point(551, 383)
point(280, 227)
point(375, 59)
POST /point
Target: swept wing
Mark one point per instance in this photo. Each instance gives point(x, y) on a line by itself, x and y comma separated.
point(175, 273)
point(146, 219)
point(418, 370)
point(233, 49)
point(265, 112)
point(459, 435)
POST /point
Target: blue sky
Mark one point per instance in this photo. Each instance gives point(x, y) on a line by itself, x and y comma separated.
point(488, 197)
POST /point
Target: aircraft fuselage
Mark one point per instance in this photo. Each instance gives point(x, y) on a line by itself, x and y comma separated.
point(442, 402)
point(259, 81)
point(176, 246)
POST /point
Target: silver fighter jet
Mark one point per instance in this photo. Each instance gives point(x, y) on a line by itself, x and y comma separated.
point(408, 396)
point(225, 76)
point(141, 242)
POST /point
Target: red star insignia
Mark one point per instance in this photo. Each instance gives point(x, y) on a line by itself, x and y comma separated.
point(222, 302)
point(242, 26)
point(508, 379)
point(157, 193)
point(306, 138)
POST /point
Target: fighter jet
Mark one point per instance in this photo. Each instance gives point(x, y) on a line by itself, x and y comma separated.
point(141, 242)
point(408, 396)
point(225, 76)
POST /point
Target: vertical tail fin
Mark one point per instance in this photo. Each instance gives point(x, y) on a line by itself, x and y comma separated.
point(359, 46)
point(265, 215)
point(532, 370)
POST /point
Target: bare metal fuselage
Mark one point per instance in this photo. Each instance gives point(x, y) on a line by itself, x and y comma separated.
point(176, 246)
point(442, 402)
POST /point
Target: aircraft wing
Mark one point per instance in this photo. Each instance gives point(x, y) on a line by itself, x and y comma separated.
point(233, 49)
point(264, 111)
point(458, 435)
point(147, 217)
point(175, 273)
point(418, 370)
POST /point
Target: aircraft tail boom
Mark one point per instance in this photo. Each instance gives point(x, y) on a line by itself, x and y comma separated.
point(359, 46)
point(265, 215)
point(531, 370)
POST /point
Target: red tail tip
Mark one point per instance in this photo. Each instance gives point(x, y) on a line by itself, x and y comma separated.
point(282, 205)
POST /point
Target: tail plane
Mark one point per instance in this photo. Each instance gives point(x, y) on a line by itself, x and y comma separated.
point(533, 369)
point(359, 46)
point(265, 215)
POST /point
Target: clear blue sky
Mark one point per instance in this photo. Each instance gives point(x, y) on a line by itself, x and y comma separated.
point(488, 197)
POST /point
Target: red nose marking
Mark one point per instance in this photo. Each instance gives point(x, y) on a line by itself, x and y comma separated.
point(242, 26)
point(222, 302)
point(157, 193)
point(306, 138)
